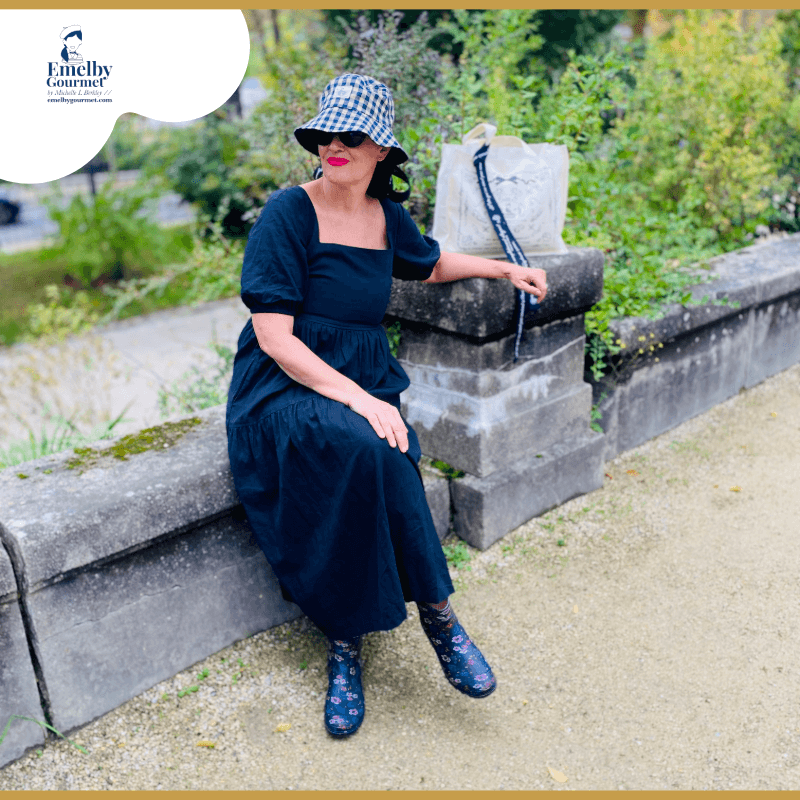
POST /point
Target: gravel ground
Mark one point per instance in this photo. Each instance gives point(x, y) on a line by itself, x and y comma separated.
point(644, 636)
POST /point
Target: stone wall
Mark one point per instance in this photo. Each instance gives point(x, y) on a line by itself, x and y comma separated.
point(710, 351)
point(118, 573)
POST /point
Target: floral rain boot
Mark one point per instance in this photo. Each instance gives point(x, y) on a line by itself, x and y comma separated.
point(462, 663)
point(344, 703)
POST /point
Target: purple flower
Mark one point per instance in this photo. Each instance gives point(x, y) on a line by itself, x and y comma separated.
point(457, 639)
point(336, 700)
point(353, 712)
point(351, 696)
point(339, 679)
point(337, 720)
point(482, 677)
point(456, 680)
point(338, 657)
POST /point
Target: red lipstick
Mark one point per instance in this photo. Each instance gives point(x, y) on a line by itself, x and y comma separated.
point(338, 162)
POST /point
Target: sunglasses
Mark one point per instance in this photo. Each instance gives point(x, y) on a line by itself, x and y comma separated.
point(347, 138)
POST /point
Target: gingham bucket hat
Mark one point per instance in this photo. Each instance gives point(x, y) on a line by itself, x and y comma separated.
point(354, 103)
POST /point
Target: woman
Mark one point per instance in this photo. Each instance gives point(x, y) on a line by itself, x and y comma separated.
point(323, 462)
point(72, 38)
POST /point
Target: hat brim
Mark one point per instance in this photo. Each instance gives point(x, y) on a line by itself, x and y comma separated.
point(332, 120)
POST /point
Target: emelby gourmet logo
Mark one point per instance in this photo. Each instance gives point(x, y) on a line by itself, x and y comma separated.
point(73, 39)
point(71, 76)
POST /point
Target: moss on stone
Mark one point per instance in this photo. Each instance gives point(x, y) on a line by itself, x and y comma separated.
point(156, 438)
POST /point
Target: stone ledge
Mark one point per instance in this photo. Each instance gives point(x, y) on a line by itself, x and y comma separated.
point(114, 506)
point(575, 284)
point(750, 277)
point(131, 571)
point(18, 693)
point(709, 352)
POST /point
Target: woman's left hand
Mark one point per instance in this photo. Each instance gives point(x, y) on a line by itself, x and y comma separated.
point(532, 281)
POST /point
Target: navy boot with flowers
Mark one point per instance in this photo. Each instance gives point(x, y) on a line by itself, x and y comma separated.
point(344, 703)
point(463, 664)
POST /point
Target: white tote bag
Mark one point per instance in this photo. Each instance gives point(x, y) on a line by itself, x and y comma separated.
point(529, 183)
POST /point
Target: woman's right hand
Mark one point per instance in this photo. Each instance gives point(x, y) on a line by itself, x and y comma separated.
point(275, 338)
point(384, 418)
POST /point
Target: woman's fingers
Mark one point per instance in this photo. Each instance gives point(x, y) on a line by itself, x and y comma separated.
point(532, 281)
point(385, 420)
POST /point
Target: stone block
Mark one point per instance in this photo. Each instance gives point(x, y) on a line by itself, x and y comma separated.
point(485, 308)
point(480, 435)
point(19, 695)
point(486, 509)
point(108, 632)
point(693, 373)
point(111, 506)
point(428, 347)
point(437, 493)
point(554, 372)
point(775, 342)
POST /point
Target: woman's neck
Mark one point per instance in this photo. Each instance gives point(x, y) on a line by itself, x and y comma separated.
point(350, 199)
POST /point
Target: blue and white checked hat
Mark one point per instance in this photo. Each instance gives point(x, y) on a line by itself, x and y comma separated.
point(354, 103)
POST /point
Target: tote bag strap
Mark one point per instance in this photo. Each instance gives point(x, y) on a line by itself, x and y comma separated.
point(510, 245)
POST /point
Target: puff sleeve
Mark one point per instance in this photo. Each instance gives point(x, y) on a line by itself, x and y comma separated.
point(415, 255)
point(275, 266)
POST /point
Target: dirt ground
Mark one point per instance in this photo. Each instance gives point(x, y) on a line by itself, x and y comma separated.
point(644, 636)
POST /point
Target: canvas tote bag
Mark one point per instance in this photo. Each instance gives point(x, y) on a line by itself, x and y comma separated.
point(528, 181)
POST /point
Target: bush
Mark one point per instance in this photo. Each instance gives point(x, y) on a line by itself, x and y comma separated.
point(197, 162)
point(107, 235)
point(704, 121)
point(212, 272)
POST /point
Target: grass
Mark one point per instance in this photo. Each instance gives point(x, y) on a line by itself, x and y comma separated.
point(457, 554)
point(41, 725)
point(25, 275)
point(63, 435)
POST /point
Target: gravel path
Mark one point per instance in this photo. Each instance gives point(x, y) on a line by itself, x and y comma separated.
point(644, 636)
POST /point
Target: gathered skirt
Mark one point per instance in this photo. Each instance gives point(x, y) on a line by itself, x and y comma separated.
point(340, 515)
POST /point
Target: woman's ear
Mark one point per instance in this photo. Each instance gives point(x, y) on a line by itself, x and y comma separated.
point(384, 151)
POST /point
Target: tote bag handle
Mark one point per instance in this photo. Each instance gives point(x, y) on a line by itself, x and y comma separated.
point(513, 251)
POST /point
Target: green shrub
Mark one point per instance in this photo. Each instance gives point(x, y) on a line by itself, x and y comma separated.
point(64, 313)
point(108, 234)
point(703, 122)
point(197, 163)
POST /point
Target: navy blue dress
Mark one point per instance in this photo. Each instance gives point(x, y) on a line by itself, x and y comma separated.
point(340, 515)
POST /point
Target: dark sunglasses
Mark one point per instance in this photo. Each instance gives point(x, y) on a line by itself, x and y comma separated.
point(347, 138)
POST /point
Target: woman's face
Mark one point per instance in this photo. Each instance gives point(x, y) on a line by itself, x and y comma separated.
point(342, 164)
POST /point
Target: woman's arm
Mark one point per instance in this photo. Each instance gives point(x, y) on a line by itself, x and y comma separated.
point(275, 338)
point(455, 266)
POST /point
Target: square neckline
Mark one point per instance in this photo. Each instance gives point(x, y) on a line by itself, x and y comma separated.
point(351, 246)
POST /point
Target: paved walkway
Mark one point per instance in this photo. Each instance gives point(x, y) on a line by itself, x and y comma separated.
point(120, 368)
point(644, 636)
